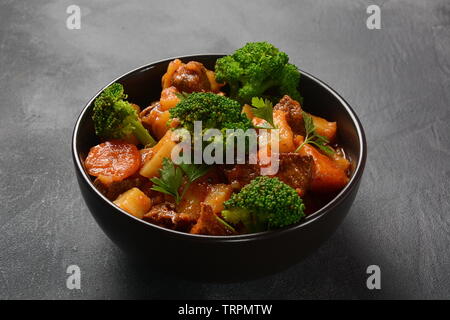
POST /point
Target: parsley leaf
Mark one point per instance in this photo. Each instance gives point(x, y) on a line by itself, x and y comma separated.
point(313, 138)
point(194, 171)
point(263, 108)
point(171, 178)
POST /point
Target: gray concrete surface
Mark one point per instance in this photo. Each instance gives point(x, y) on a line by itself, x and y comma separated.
point(397, 80)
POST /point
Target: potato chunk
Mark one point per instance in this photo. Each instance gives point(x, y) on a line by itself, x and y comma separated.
point(155, 119)
point(286, 134)
point(135, 202)
point(163, 149)
point(325, 128)
point(217, 195)
point(169, 98)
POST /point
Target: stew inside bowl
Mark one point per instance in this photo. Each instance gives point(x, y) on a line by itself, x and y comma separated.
point(221, 152)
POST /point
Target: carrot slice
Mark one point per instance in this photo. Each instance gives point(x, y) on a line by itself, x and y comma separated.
point(327, 175)
point(325, 128)
point(113, 160)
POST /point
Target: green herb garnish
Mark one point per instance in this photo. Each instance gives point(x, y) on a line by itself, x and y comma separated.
point(171, 178)
point(313, 138)
point(263, 108)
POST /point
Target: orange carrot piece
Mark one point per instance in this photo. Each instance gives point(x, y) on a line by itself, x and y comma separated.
point(113, 160)
point(327, 175)
point(325, 128)
point(247, 109)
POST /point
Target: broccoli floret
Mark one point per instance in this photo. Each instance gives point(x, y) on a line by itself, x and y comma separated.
point(115, 118)
point(213, 110)
point(265, 203)
point(258, 69)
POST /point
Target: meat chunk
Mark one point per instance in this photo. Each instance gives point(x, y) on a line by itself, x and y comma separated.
point(116, 188)
point(208, 223)
point(164, 215)
point(155, 119)
point(189, 77)
point(239, 175)
point(192, 198)
point(155, 196)
point(295, 114)
point(296, 171)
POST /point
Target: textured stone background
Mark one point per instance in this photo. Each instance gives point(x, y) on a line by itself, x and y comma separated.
point(397, 80)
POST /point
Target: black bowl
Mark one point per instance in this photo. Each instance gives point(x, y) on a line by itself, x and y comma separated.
point(218, 257)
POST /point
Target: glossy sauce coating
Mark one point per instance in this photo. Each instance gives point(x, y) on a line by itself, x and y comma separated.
point(113, 160)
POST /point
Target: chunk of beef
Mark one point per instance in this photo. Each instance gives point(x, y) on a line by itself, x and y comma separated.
point(155, 119)
point(164, 215)
point(239, 175)
point(146, 115)
point(155, 196)
point(296, 171)
point(208, 223)
point(113, 190)
point(294, 111)
point(191, 77)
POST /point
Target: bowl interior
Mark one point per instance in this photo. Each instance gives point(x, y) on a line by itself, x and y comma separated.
point(143, 86)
